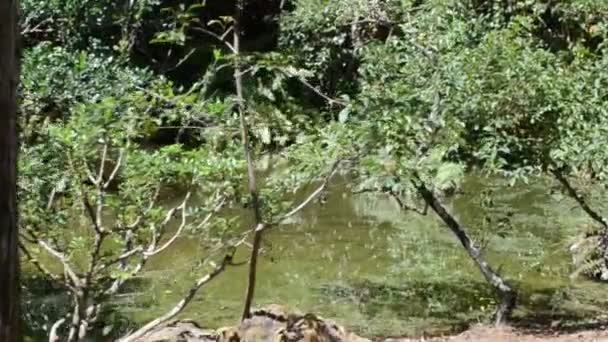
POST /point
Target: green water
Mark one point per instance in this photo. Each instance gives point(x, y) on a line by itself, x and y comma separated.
point(359, 260)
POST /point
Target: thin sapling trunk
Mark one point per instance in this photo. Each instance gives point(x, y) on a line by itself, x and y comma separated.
point(253, 189)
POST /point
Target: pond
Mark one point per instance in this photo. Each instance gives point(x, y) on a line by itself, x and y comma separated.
point(360, 260)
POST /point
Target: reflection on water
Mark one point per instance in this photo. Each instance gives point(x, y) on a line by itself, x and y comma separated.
point(360, 260)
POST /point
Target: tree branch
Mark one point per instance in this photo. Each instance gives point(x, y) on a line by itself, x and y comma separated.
point(596, 216)
point(102, 164)
point(150, 250)
point(317, 91)
point(157, 235)
point(115, 170)
point(406, 207)
point(402, 205)
point(179, 307)
point(42, 268)
point(26, 29)
point(216, 36)
point(312, 196)
point(64, 261)
point(504, 290)
point(177, 232)
point(247, 152)
point(53, 335)
point(121, 258)
point(140, 217)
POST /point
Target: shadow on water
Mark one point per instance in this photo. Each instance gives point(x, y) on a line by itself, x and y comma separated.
point(44, 303)
point(415, 299)
point(459, 304)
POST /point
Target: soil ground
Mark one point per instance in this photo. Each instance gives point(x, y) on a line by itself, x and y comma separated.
point(485, 334)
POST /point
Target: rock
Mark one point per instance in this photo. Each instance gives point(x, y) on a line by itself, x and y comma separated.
point(269, 324)
point(181, 331)
point(275, 324)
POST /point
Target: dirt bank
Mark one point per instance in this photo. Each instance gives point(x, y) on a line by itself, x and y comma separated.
point(485, 334)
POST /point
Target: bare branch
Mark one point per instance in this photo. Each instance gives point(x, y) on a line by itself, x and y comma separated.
point(318, 92)
point(216, 36)
point(98, 226)
point(228, 31)
point(83, 194)
point(150, 250)
point(176, 235)
point(247, 151)
point(312, 196)
point(245, 72)
point(215, 210)
point(115, 170)
point(99, 237)
point(507, 294)
point(179, 307)
point(121, 258)
point(53, 335)
point(31, 239)
point(102, 164)
point(89, 210)
point(76, 319)
point(64, 261)
point(53, 194)
point(34, 261)
point(183, 224)
point(181, 61)
point(97, 217)
point(156, 235)
point(27, 29)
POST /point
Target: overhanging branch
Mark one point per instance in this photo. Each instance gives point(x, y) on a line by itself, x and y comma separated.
point(181, 305)
point(312, 196)
point(596, 216)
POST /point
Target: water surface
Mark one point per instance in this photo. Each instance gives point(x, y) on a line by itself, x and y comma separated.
point(360, 260)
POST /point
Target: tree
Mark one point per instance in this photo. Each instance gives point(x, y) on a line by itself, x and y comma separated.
point(410, 127)
point(92, 212)
point(9, 258)
point(92, 163)
point(269, 216)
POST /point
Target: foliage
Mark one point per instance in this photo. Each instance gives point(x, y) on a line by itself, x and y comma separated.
point(325, 37)
point(55, 80)
point(588, 254)
point(400, 96)
point(90, 198)
point(90, 24)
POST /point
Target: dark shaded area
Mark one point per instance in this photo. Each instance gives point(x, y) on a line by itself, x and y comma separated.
point(558, 26)
point(44, 302)
point(415, 299)
point(10, 326)
point(464, 303)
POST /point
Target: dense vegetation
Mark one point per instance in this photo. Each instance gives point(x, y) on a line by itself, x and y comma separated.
point(143, 122)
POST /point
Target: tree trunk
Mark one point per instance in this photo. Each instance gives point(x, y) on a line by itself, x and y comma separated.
point(253, 188)
point(9, 260)
point(591, 212)
point(505, 292)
